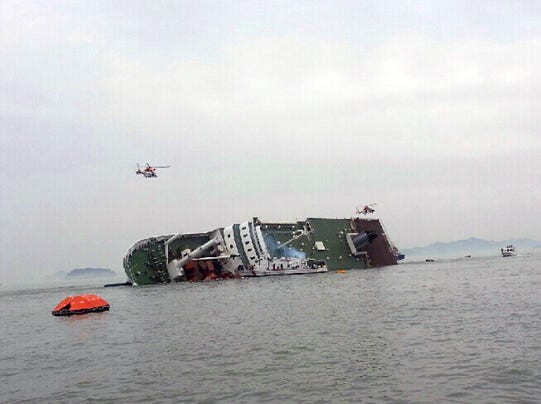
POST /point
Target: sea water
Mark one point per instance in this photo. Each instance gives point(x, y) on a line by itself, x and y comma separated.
point(464, 330)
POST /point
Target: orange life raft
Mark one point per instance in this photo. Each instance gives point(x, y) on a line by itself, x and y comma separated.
point(80, 305)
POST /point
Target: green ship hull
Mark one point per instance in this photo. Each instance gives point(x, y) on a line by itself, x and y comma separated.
point(240, 249)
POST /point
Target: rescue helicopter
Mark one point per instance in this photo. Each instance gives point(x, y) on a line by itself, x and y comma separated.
point(365, 210)
point(149, 171)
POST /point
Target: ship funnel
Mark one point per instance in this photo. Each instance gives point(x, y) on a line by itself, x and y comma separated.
point(359, 241)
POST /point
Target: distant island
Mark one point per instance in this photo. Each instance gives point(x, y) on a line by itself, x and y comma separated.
point(90, 272)
point(470, 246)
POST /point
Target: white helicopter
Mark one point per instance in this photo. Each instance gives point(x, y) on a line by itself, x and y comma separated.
point(149, 171)
point(365, 210)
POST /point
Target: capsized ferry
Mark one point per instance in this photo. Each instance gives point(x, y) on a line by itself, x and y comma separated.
point(260, 248)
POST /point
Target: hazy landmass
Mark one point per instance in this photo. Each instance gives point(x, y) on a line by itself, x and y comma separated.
point(90, 272)
point(470, 246)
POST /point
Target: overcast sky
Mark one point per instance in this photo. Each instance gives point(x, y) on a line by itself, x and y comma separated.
point(275, 109)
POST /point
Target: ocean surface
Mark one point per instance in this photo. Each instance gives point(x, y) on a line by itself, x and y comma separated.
point(463, 330)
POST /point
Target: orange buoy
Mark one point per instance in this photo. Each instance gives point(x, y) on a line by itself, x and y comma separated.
point(341, 271)
point(80, 305)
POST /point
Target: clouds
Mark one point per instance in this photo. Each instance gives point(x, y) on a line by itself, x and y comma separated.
point(436, 96)
point(269, 109)
point(415, 117)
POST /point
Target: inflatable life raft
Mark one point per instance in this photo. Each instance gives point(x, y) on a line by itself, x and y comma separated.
point(80, 305)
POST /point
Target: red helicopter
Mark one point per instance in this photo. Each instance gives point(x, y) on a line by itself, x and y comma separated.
point(365, 210)
point(149, 171)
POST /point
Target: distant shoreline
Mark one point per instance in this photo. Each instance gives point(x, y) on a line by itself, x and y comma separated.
point(90, 272)
point(470, 246)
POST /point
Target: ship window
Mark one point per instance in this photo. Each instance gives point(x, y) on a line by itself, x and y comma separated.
point(252, 258)
point(247, 242)
point(230, 245)
point(229, 236)
point(250, 249)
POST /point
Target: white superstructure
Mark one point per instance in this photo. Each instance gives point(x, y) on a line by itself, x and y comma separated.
point(509, 251)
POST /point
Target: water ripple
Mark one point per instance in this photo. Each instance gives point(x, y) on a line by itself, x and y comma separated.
point(455, 331)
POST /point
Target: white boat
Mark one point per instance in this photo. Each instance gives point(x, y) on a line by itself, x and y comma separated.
point(509, 251)
point(284, 266)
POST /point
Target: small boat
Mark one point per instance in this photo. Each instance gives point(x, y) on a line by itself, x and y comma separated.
point(81, 304)
point(509, 251)
point(284, 266)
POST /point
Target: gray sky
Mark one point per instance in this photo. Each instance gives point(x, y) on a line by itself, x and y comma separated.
point(276, 109)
